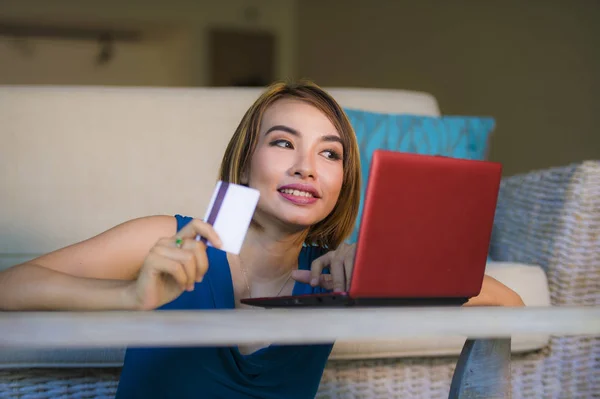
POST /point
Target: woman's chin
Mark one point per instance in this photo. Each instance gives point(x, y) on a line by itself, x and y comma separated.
point(290, 220)
point(299, 222)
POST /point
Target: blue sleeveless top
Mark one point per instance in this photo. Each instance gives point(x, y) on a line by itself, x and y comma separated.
point(276, 371)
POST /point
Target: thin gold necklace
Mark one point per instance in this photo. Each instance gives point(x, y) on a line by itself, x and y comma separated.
point(248, 285)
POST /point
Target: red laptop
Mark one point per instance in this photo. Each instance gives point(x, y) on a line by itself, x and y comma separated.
point(424, 234)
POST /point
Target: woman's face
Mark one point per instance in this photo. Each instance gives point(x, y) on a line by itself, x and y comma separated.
point(297, 166)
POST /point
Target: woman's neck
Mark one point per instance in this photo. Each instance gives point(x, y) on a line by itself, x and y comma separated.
point(268, 255)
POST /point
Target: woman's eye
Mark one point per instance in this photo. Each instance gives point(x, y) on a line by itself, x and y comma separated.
point(331, 154)
point(282, 143)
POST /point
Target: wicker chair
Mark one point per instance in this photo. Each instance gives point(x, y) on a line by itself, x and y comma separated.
point(550, 218)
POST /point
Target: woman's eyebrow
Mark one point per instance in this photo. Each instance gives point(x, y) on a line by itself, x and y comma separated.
point(283, 128)
point(332, 139)
point(328, 138)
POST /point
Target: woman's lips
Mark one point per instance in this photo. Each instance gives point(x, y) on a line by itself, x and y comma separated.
point(298, 199)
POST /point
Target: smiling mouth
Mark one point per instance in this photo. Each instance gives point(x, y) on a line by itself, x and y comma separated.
point(297, 193)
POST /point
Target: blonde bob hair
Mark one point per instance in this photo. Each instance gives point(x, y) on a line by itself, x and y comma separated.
point(333, 229)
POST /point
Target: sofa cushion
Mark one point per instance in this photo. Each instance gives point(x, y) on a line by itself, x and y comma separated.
point(527, 280)
point(452, 136)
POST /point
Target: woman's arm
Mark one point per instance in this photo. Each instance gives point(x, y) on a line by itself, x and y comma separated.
point(494, 293)
point(341, 261)
point(33, 287)
point(90, 275)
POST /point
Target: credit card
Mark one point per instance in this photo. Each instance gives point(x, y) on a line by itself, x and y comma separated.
point(230, 212)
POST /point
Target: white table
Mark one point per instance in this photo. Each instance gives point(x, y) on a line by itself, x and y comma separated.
point(483, 368)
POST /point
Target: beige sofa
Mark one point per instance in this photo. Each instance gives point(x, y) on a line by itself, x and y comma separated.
point(78, 160)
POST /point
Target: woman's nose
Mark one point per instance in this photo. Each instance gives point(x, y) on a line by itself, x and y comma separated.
point(304, 167)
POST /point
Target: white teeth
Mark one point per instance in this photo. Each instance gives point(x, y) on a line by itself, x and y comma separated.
point(297, 193)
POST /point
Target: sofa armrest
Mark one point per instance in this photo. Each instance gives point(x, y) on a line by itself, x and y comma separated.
point(551, 218)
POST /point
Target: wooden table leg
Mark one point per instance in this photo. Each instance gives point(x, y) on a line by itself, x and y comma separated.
point(482, 370)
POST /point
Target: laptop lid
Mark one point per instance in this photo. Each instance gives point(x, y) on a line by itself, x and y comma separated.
point(426, 226)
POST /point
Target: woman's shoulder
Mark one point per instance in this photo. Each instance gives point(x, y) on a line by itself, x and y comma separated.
point(154, 226)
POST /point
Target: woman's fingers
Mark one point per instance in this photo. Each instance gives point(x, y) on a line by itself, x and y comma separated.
point(184, 256)
point(338, 273)
point(326, 281)
point(349, 265)
point(304, 276)
point(190, 251)
point(316, 267)
point(340, 263)
point(199, 228)
point(171, 267)
point(199, 251)
point(200, 259)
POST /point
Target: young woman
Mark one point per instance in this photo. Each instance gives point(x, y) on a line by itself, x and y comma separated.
point(296, 146)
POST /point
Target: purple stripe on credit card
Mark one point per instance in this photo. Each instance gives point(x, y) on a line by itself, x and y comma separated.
point(214, 212)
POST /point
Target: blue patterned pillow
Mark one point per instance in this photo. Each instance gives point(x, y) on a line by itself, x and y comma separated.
point(452, 136)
